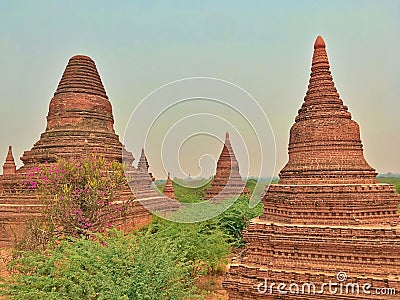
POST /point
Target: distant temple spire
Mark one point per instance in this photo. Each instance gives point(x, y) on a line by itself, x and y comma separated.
point(9, 165)
point(143, 164)
point(169, 188)
point(227, 178)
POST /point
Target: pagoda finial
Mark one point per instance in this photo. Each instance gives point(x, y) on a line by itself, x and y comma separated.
point(9, 165)
point(319, 42)
point(227, 143)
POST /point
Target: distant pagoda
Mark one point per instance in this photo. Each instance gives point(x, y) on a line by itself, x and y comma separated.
point(328, 218)
point(227, 181)
point(9, 167)
point(169, 188)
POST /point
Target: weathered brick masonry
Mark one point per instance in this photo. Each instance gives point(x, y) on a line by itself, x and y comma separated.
point(327, 214)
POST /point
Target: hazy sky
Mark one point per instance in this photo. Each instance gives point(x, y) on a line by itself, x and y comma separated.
point(265, 47)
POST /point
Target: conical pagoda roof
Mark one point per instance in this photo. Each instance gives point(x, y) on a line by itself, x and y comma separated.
point(81, 76)
point(80, 119)
point(227, 174)
point(325, 144)
point(9, 166)
point(169, 188)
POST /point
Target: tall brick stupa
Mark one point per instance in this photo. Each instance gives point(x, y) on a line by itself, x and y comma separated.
point(328, 219)
point(79, 122)
point(227, 181)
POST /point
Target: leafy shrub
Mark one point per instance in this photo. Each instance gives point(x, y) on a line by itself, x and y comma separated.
point(143, 266)
point(203, 244)
point(236, 218)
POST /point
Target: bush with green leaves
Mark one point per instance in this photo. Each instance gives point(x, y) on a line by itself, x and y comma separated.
point(204, 244)
point(160, 261)
point(141, 266)
point(236, 218)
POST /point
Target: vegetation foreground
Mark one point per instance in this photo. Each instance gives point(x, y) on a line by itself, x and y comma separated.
point(73, 253)
point(89, 260)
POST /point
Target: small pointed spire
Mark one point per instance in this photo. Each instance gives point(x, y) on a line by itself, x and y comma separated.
point(143, 164)
point(319, 42)
point(227, 136)
point(9, 165)
point(227, 143)
point(169, 188)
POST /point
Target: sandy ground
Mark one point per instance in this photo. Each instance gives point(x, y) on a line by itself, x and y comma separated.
point(213, 284)
point(5, 256)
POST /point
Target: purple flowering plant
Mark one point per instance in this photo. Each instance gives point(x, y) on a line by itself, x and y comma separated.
point(80, 196)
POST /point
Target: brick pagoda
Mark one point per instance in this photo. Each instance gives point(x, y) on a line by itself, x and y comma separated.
point(227, 181)
point(169, 188)
point(80, 121)
point(328, 213)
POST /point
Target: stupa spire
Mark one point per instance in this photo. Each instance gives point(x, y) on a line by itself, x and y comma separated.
point(81, 76)
point(169, 188)
point(9, 165)
point(319, 42)
point(143, 164)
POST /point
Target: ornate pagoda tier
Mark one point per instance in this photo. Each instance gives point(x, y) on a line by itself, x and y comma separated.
point(328, 214)
point(227, 181)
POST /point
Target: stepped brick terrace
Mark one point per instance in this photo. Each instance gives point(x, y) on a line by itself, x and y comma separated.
point(328, 213)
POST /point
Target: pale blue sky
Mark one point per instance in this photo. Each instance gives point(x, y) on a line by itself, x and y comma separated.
point(263, 46)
